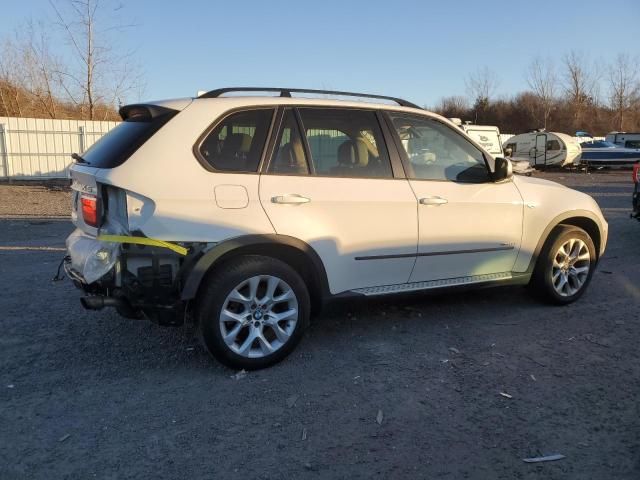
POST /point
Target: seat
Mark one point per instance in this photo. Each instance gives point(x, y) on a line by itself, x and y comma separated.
point(233, 154)
point(290, 158)
point(352, 155)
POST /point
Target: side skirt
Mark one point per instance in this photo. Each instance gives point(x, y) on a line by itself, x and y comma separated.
point(487, 280)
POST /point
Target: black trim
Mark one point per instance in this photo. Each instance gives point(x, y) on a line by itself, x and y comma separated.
point(433, 254)
point(311, 167)
point(286, 92)
point(244, 245)
point(272, 139)
point(392, 151)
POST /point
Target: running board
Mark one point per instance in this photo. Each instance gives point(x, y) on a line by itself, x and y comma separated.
point(431, 284)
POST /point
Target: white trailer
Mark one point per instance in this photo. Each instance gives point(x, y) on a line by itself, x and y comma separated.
point(541, 148)
point(486, 136)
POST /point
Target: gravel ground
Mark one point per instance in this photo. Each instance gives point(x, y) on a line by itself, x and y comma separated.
point(88, 394)
point(52, 200)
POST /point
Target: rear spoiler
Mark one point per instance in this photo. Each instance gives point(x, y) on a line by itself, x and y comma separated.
point(141, 112)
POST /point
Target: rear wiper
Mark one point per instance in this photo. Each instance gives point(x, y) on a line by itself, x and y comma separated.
point(78, 158)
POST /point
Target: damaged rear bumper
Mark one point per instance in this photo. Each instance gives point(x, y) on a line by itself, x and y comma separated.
point(136, 278)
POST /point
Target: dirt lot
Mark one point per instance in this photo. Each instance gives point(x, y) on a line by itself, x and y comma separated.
point(91, 395)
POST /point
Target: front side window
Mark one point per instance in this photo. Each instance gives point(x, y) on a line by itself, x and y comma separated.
point(236, 143)
point(436, 152)
point(345, 143)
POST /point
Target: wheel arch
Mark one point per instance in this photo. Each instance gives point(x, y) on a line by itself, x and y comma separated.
point(292, 251)
point(577, 218)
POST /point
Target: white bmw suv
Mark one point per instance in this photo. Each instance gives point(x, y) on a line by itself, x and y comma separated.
point(247, 211)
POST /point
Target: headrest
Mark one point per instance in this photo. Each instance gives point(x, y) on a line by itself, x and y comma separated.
point(353, 153)
point(237, 142)
point(291, 157)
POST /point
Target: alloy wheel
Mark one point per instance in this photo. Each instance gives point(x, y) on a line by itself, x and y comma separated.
point(259, 316)
point(571, 265)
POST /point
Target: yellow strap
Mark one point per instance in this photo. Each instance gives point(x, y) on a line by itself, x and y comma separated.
point(143, 241)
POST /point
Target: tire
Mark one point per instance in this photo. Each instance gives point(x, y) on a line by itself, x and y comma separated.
point(242, 301)
point(559, 278)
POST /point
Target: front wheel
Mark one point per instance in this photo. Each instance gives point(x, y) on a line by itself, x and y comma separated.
point(253, 312)
point(565, 265)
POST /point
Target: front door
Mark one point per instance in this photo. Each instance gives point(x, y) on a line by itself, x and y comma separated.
point(332, 186)
point(469, 226)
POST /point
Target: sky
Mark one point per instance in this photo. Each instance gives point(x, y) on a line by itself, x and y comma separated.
point(418, 50)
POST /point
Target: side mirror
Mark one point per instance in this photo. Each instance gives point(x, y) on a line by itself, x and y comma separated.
point(503, 169)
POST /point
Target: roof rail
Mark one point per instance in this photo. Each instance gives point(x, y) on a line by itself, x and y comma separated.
point(286, 92)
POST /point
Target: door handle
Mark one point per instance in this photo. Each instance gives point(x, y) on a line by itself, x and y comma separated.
point(291, 199)
point(433, 201)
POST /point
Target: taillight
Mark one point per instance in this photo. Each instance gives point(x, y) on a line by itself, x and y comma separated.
point(636, 173)
point(90, 213)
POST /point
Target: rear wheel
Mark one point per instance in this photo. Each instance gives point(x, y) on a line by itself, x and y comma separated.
point(565, 265)
point(253, 312)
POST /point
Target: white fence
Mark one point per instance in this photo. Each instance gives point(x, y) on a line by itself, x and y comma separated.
point(41, 148)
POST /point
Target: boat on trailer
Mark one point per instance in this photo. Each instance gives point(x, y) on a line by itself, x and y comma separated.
point(601, 153)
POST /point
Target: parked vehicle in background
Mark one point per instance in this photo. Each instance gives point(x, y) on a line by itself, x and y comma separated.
point(601, 153)
point(624, 139)
point(635, 199)
point(542, 149)
point(488, 137)
point(581, 136)
point(247, 213)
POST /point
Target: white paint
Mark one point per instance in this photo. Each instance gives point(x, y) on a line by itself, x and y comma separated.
point(348, 218)
point(341, 218)
point(476, 216)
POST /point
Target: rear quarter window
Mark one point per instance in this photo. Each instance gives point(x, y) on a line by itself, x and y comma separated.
point(236, 143)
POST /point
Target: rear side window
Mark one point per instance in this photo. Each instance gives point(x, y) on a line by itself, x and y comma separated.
point(345, 143)
point(236, 143)
point(114, 148)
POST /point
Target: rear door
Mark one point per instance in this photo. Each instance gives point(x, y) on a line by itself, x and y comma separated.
point(330, 182)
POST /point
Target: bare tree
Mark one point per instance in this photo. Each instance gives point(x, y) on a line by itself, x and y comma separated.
point(454, 106)
point(542, 80)
point(11, 96)
point(100, 75)
point(624, 87)
point(38, 67)
point(579, 83)
point(481, 86)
